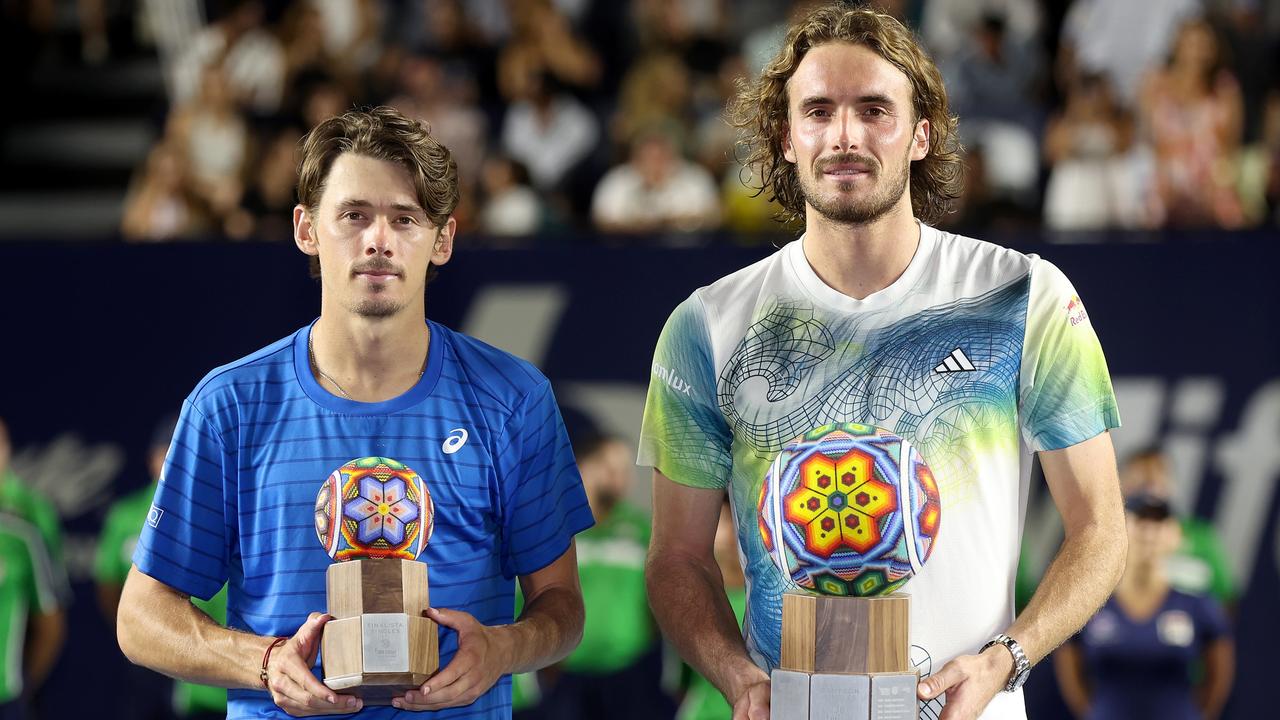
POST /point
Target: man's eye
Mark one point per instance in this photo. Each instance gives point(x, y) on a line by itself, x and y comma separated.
point(406, 220)
point(819, 112)
point(352, 215)
point(875, 112)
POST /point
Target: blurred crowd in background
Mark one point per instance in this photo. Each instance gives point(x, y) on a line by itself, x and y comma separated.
point(572, 118)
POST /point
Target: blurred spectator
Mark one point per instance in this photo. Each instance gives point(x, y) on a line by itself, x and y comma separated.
point(18, 498)
point(160, 205)
point(461, 36)
point(300, 29)
point(111, 566)
point(510, 207)
point(656, 190)
point(713, 136)
point(702, 701)
point(614, 672)
point(266, 211)
point(990, 81)
point(655, 93)
point(251, 56)
point(1198, 565)
point(1085, 146)
point(1191, 112)
point(1120, 40)
point(947, 25)
point(542, 31)
point(351, 32)
point(31, 619)
point(214, 137)
point(1255, 52)
point(447, 104)
point(546, 129)
point(1137, 659)
point(33, 587)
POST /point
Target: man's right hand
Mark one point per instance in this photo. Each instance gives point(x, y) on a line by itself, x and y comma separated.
point(752, 702)
point(289, 677)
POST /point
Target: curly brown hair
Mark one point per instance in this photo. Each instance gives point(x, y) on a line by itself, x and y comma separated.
point(382, 133)
point(760, 109)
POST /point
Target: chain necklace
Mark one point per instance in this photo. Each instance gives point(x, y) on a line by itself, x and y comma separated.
point(311, 355)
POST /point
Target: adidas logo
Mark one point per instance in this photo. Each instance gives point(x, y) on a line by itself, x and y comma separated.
point(955, 362)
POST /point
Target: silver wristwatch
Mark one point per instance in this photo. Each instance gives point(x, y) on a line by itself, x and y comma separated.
point(1021, 668)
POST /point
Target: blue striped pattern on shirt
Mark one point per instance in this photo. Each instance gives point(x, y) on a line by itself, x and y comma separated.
point(257, 437)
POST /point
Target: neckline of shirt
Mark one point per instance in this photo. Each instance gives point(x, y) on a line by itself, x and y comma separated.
point(821, 292)
point(344, 406)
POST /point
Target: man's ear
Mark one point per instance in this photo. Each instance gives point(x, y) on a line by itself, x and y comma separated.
point(443, 248)
point(788, 152)
point(920, 141)
point(304, 235)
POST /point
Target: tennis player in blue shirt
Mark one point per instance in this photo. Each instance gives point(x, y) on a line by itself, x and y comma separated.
point(370, 378)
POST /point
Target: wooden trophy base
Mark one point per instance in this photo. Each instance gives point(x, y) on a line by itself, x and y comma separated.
point(844, 658)
point(379, 643)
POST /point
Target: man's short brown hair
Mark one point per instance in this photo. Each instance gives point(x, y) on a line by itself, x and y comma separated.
point(760, 110)
point(381, 133)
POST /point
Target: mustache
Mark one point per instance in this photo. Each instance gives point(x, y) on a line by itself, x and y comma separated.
point(376, 265)
point(844, 159)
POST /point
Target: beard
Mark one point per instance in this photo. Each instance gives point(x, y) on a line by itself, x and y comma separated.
point(377, 305)
point(883, 197)
point(377, 308)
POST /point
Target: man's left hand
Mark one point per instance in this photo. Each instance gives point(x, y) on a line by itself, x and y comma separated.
point(481, 659)
point(970, 681)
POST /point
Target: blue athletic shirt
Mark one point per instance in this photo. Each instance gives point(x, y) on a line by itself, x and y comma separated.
point(1141, 670)
point(258, 437)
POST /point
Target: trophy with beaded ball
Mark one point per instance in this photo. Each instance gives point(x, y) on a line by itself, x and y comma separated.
point(848, 513)
point(374, 516)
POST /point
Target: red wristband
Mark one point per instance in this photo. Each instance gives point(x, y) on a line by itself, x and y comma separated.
point(266, 658)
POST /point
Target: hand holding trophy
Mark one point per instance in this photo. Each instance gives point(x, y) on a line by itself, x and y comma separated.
point(374, 516)
point(849, 513)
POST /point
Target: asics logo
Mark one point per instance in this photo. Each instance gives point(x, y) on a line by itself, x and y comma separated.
point(452, 444)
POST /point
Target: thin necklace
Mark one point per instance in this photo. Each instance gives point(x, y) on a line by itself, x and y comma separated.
point(311, 356)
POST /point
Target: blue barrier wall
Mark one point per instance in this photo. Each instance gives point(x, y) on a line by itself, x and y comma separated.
point(102, 340)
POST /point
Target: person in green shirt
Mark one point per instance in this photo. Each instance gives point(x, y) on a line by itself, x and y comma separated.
point(615, 671)
point(702, 701)
point(28, 593)
point(1199, 566)
point(111, 566)
point(45, 631)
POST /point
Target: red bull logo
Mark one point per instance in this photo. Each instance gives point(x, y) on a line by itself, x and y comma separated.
point(1075, 311)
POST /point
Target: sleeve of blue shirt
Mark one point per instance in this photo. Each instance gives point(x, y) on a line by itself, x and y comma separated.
point(543, 503)
point(184, 542)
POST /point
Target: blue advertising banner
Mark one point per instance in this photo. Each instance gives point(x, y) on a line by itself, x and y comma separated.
point(101, 341)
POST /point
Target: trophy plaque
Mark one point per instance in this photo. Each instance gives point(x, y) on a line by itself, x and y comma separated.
point(848, 513)
point(374, 516)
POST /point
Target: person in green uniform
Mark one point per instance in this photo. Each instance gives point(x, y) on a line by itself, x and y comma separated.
point(46, 630)
point(702, 701)
point(111, 566)
point(1199, 566)
point(615, 671)
point(28, 593)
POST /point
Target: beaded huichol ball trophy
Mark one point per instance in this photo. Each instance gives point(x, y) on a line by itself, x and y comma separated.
point(848, 513)
point(374, 516)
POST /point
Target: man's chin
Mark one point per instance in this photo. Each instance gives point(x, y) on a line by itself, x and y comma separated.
point(374, 308)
